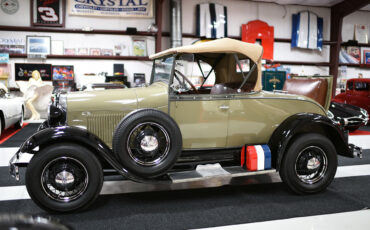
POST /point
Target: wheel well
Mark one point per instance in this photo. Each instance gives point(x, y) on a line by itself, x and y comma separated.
point(2, 119)
point(103, 162)
point(324, 130)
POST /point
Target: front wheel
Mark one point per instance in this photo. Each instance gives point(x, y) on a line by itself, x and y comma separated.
point(310, 164)
point(64, 177)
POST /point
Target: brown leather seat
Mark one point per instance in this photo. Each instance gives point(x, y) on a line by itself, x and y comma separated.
point(315, 88)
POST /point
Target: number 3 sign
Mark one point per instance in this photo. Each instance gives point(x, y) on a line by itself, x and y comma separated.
point(47, 12)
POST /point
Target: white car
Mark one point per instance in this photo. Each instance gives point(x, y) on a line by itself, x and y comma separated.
point(11, 111)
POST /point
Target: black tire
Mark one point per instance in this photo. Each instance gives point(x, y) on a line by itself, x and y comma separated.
point(300, 163)
point(71, 158)
point(19, 124)
point(133, 129)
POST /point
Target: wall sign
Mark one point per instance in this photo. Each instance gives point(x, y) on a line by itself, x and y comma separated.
point(47, 12)
point(9, 6)
point(112, 8)
point(23, 71)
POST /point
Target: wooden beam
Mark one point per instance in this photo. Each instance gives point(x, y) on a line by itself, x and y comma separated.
point(158, 22)
point(337, 13)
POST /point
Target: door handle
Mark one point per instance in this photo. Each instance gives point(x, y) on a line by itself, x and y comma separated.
point(224, 107)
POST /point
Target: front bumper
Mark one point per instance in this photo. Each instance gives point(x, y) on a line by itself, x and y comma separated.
point(15, 163)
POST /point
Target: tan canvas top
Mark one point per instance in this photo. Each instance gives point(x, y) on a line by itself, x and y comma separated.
point(224, 45)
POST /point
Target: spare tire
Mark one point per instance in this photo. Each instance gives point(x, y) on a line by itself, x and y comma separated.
point(147, 142)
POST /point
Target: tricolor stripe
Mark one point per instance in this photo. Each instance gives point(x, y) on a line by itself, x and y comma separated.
point(255, 157)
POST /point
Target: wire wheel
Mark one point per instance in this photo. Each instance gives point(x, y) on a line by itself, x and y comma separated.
point(64, 179)
point(148, 144)
point(311, 165)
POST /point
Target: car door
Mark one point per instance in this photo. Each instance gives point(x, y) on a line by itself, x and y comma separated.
point(202, 118)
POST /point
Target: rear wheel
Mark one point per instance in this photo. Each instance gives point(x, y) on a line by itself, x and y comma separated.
point(64, 177)
point(310, 164)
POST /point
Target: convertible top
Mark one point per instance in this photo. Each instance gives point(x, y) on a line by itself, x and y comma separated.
point(224, 45)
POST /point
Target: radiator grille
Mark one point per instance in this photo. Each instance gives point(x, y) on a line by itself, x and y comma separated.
point(103, 125)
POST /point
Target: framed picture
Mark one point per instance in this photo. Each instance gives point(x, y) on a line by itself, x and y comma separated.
point(69, 51)
point(63, 73)
point(139, 79)
point(83, 51)
point(139, 47)
point(355, 52)
point(95, 51)
point(23, 71)
point(48, 13)
point(107, 52)
point(38, 45)
point(366, 56)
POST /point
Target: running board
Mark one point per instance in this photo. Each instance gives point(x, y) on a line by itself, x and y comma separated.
point(214, 171)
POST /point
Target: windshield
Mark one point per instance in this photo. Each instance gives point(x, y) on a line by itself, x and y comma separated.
point(162, 69)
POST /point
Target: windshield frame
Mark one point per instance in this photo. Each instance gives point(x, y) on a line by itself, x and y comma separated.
point(171, 72)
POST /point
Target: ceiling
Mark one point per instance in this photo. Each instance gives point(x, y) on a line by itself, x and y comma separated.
point(326, 3)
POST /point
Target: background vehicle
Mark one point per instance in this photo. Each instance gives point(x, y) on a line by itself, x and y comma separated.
point(11, 111)
point(350, 116)
point(163, 132)
point(357, 93)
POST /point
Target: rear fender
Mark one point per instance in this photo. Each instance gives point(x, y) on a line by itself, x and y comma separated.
point(304, 123)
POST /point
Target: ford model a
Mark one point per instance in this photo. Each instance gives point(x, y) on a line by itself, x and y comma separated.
point(175, 124)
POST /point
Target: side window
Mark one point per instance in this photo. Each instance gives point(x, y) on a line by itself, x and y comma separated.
point(350, 85)
point(361, 86)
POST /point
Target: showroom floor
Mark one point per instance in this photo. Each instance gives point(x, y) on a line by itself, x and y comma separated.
point(263, 199)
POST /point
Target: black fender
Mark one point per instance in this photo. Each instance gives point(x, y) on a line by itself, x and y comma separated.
point(306, 123)
point(83, 137)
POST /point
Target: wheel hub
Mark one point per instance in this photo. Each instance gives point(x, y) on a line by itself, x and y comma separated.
point(149, 143)
point(64, 178)
point(313, 163)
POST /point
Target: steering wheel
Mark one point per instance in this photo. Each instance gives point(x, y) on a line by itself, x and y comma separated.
point(187, 80)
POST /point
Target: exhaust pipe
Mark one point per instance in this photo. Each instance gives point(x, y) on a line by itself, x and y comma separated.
point(176, 23)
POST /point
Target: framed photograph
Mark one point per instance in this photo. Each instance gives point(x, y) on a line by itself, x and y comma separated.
point(63, 73)
point(48, 13)
point(70, 51)
point(366, 56)
point(23, 71)
point(361, 33)
point(139, 79)
point(355, 52)
point(107, 52)
point(38, 45)
point(95, 51)
point(83, 51)
point(139, 47)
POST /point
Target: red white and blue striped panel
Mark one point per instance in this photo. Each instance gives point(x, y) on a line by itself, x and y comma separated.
point(255, 157)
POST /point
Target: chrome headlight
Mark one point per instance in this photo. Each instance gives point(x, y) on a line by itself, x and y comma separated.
point(57, 112)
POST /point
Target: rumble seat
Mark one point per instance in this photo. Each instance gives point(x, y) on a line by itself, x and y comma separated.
point(314, 88)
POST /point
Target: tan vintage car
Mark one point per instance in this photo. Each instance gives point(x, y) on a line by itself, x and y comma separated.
point(163, 132)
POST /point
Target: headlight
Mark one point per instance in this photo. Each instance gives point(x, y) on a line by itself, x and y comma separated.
point(58, 110)
point(364, 112)
point(63, 101)
point(330, 115)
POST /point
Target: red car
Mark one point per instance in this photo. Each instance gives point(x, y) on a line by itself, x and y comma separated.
point(357, 93)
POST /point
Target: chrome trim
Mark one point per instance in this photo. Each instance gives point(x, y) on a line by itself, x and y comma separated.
point(59, 197)
point(13, 165)
point(316, 176)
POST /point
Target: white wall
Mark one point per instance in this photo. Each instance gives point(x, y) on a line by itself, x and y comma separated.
point(239, 12)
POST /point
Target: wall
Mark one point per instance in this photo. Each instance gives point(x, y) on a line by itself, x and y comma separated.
point(239, 12)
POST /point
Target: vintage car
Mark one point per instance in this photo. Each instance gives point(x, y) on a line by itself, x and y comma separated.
point(357, 93)
point(350, 116)
point(11, 111)
point(165, 132)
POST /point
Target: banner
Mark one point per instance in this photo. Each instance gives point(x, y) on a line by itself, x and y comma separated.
point(112, 8)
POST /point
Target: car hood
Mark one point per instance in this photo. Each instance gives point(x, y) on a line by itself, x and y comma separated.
point(118, 100)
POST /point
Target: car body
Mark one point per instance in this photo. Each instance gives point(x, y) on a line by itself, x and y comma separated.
point(350, 116)
point(357, 93)
point(170, 127)
point(11, 111)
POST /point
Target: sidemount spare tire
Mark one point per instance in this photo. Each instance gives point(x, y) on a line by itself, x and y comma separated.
point(147, 142)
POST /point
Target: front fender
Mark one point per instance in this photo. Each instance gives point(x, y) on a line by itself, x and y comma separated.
point(306, 123)
point(49, 136)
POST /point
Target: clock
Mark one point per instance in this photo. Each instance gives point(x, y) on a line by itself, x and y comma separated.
point(9, 6)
